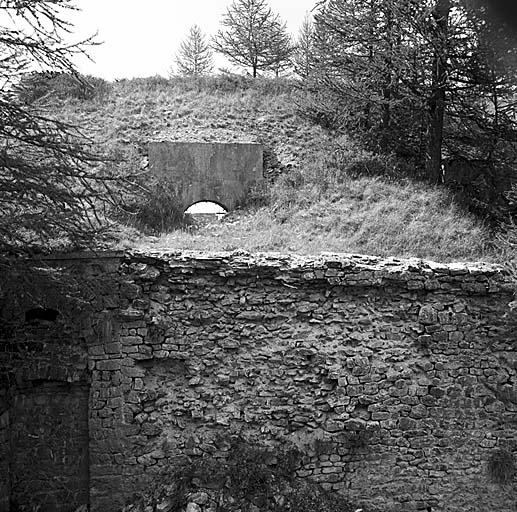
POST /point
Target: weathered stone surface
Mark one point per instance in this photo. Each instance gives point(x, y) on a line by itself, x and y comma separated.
point(199, 171)
point(49, 441)
point(397, 393)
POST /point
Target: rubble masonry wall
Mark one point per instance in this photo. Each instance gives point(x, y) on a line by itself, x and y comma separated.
point(179, 351)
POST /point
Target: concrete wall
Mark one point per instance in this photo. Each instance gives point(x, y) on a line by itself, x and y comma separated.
point(418, 359)
point(198, 171)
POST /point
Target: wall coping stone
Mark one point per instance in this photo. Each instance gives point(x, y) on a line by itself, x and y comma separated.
point(338, 269)
point(345, 269)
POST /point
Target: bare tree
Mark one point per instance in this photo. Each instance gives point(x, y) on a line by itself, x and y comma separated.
point(51, 181)
point(194, 57)
point(254, 37)
point(304, 50)
point(282, 49)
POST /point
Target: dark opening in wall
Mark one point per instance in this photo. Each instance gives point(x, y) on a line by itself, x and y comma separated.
point(36, 315)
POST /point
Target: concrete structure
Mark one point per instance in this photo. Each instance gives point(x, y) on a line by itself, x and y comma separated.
point(169, 354)
point(198, 171)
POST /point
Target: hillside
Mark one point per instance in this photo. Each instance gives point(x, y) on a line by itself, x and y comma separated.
point(328, 194)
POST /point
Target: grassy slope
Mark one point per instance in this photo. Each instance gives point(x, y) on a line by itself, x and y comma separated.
point(335, 213)
point(368, 216)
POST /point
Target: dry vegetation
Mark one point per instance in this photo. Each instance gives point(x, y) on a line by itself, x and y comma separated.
point(365, 215)
point(324, 204)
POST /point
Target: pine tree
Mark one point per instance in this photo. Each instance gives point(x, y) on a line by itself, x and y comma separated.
point(194, 57)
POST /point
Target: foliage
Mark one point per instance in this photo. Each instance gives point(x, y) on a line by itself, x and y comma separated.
point(501, 466)
point(340, 197)
point(308, 214)
point(506, 239)
point(52, 179)
point(225, 82)
point(254, 37)
point(194, 57)
point(154, 210)
point(251, 476)
point(431, 81)
point(304, 496)
point(37, 86)
point(303, 56)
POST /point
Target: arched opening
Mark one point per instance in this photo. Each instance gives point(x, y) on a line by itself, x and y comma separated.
point(205, 212)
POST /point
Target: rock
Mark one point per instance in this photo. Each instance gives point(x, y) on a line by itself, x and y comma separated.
point(201, 498)
point(427, 315)
point(354, 424)
point(165, 505)
point(193, 507)
point(131, 314)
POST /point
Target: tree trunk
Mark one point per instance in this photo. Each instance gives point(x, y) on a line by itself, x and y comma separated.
point(387, 78)
point(437, 97)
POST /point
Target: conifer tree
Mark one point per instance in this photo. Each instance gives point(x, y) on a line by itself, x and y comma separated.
point(51, 180)
point(194, 57)
point(303, 56)
point(254, 37)
point(418, 77)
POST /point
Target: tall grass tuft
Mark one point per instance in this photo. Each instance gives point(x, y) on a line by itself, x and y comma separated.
point(155, 210)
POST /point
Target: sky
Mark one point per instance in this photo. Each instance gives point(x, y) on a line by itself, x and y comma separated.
point(141, 38)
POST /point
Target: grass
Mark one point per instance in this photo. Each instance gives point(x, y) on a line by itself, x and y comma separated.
point(136, 111)
point(326, 205)
point(365, 215)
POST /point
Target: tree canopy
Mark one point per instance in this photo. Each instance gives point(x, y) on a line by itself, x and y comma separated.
point(254, 37)
point(431, 81)
point(53, 184)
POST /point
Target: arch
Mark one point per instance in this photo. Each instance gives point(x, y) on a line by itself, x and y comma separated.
point(208, 210)
point(222, 172)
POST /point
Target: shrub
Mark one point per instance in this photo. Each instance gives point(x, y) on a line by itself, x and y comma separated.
point(155, 209)
point(227, 82)
point(252, 477)
point(35, 86)
point(310, 497)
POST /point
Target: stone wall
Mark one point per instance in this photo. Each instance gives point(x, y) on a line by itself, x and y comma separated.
point(396, 379)
point(49, 443)
point(5, 457)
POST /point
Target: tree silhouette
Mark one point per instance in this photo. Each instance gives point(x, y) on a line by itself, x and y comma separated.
point(51, 181)
point(303, 57)
point(194, 57)
point(254, 37)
